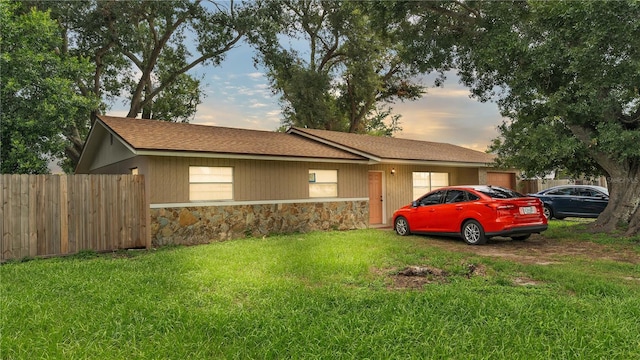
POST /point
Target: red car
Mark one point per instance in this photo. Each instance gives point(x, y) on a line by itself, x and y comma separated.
point(475, 213)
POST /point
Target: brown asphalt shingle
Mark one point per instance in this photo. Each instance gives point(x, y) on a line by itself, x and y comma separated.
point(400, 149)
point(168, 136)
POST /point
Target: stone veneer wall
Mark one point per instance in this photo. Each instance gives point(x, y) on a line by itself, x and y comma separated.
point(204, 224)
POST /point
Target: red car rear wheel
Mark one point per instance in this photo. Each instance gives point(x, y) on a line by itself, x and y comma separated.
point(473, 233)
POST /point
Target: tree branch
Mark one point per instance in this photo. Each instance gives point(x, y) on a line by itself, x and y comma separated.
point(175, 74)
point(136, 99)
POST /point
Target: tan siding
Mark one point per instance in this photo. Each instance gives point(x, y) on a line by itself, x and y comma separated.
point(253, 179)
point(466, 176)
point(268, 180)
point(356, 183)
point(168, 179)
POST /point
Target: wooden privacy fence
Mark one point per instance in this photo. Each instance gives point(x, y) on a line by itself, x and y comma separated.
point(44, 215)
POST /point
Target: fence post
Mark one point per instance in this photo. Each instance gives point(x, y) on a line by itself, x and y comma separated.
point(146, 211)
point(64, 215)
point(4, 200)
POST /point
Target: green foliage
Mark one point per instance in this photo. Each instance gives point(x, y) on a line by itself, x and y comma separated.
point(144, 51)
point(534, 147)
point(569, 74)
point(38, 95)
point(565, 75)
point(346, 76)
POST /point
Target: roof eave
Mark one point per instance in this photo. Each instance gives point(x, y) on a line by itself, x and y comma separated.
point(148, 152)
point(369, 156)
point(81, 166)
point(436, 163)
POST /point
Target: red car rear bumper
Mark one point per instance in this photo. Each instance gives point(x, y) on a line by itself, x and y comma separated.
point(519, 230)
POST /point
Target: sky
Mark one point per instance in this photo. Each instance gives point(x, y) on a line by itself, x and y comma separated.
point(238, 95)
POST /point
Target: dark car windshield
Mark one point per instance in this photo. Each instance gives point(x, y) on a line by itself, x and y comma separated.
point(499, 193)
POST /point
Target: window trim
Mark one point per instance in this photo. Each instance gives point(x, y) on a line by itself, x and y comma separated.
point(214, 183)
point(313, 180)
point(429, 187)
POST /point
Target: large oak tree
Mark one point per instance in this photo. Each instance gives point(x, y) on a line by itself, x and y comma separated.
point(566, 75)
point(144, 52)
point(333, 66)
point(38, 93)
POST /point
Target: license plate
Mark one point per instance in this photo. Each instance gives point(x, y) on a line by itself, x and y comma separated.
point(526, 210)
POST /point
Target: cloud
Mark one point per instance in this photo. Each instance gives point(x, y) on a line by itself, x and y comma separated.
point(226, 116)
point(449, 116)
point(257, 105)
point(239, 96)
point(256, 75)
point(447, 93)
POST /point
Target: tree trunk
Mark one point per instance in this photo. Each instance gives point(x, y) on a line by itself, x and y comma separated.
point(624, 188)
point(74, 150)
point(623, 211)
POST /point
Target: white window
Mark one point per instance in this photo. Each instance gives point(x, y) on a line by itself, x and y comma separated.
point(210, 183)
point(423, 182)
point(134, 171)
point(323, 183)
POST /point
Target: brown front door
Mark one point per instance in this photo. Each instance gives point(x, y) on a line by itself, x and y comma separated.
point(375, 197)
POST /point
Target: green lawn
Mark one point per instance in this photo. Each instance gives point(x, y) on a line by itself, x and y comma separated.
point(319, 295)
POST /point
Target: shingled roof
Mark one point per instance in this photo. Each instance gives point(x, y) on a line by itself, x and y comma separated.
point(154, 137)
point(165, 136)
point(387, 148)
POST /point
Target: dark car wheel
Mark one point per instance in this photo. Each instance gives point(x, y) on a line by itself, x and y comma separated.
point(402, 226)
point(473, 233)
point(548, 213)
point(521, 237)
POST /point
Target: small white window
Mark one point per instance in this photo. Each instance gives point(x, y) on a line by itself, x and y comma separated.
point(210, 183)
point(134, 171)
point(424, 182)
point(323, 183)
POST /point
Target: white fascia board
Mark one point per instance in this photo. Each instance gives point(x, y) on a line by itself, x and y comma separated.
point(335, 145)
point(254, 202)
point(370, 161)
point(82, 154)
point(245, 156)
point(434, 163)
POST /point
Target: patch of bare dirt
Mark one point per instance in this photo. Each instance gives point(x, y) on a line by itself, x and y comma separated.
point(524, 281)
point(540, 250)
point(415, 277)
point(537, 250)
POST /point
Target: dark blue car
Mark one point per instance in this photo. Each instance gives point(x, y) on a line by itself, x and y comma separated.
point(585, 201)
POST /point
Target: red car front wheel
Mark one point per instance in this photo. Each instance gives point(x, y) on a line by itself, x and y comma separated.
point(402, 226)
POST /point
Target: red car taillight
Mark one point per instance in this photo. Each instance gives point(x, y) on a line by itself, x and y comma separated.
point(502, 209)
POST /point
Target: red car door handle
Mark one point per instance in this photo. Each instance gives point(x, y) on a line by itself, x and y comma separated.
point(458, 207)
